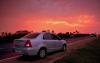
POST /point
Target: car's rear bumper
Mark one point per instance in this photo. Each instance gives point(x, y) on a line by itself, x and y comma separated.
point(27, 51)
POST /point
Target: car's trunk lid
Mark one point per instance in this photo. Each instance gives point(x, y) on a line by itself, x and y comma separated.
point(20, 43)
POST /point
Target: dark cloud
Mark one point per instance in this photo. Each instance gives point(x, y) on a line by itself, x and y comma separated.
point(48, 7)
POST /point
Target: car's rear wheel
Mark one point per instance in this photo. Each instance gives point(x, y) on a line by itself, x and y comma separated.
point(42, 53)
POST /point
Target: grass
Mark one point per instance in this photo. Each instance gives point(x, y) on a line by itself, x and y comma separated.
point(88, 54)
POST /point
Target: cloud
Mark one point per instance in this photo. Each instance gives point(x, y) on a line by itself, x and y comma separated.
point(62, 22)
point(73, 21)
point(70, 13)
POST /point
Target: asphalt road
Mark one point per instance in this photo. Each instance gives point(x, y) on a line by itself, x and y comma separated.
point(72, 45)
point(6, 51)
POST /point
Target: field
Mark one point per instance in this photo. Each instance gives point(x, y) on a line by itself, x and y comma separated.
point(88, 54)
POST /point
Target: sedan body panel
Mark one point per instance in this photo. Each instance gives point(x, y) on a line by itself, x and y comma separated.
point(36, 43)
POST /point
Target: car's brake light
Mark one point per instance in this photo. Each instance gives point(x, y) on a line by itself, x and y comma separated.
point(28, 44)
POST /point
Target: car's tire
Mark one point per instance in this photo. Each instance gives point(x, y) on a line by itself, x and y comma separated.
point(42, 53)
point(64, 47)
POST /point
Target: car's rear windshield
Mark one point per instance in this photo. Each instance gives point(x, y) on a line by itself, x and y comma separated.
point(33, 35)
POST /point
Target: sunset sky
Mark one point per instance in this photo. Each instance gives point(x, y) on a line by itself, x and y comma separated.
point(57, 15)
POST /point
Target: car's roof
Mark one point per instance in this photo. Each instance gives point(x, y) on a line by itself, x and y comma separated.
point(38, 33)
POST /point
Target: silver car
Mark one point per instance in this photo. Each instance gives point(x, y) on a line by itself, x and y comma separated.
point(39, 44)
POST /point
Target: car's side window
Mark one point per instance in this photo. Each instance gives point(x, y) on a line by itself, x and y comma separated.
point(47, 36)
point(54, 37)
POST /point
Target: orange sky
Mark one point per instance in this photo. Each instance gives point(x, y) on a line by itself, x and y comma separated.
point(57, 15)
point(70, 23)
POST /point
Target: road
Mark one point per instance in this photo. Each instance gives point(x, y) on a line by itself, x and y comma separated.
point(6, 49)
point(72, 45)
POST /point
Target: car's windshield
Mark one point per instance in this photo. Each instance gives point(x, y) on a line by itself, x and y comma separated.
point(32, 35)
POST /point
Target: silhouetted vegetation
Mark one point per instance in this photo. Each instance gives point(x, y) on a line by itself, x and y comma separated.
point(68, 35)
point(9, 37)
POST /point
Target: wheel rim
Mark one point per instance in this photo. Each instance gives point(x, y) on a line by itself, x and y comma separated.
point(42, 53)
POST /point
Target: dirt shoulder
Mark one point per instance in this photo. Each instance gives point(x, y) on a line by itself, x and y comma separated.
point(88, 54)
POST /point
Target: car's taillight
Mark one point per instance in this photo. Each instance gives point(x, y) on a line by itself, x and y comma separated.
point(28, 44)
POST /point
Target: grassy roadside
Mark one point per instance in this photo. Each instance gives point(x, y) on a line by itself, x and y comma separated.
point(88, 54)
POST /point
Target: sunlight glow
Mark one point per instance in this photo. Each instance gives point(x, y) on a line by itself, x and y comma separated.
point(62, 22)
point(73, 23)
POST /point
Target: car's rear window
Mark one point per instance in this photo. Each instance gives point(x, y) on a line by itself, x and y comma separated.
point(33, 35)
